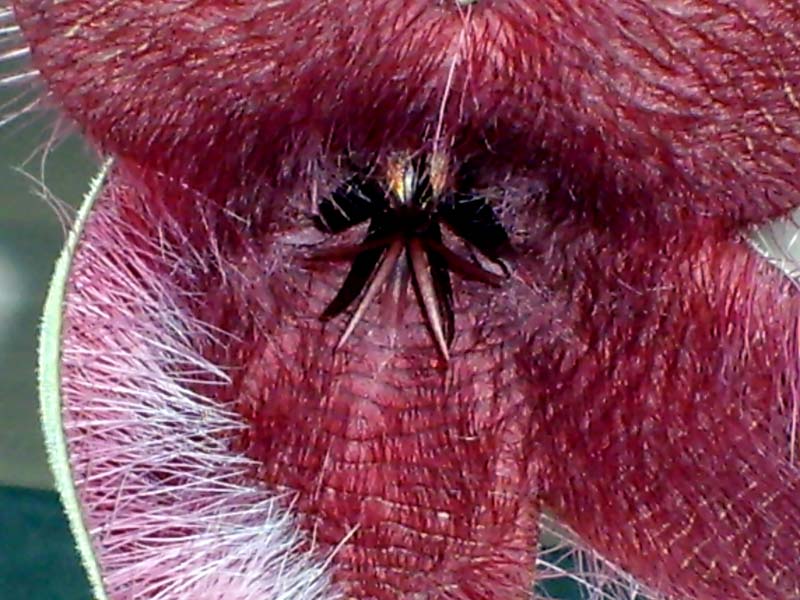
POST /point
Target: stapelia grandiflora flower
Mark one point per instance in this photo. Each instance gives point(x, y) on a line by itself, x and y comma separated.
point(370, 288)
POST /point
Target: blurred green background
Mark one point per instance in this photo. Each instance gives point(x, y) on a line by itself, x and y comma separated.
point(30, 239)
point(37, 556)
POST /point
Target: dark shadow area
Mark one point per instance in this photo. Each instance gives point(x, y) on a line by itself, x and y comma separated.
point(38, 560)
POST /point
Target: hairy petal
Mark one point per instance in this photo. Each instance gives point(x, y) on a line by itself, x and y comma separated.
point(170, 509)
point(693, 101)
point(678, 429)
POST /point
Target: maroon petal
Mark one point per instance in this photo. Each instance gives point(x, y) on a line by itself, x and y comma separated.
point(673, 423)
point(689, 105)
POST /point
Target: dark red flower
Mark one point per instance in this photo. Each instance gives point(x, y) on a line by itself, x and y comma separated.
point(634, 374)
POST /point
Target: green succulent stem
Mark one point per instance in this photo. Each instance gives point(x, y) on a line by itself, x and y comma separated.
point(50, 403)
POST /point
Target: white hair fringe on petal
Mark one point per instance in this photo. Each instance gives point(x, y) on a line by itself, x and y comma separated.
point(21, 96)
point(158, 505)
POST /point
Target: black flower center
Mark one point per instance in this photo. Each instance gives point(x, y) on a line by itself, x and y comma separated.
point(407, 210)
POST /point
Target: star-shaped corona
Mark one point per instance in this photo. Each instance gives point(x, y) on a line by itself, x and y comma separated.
point(405, 216)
